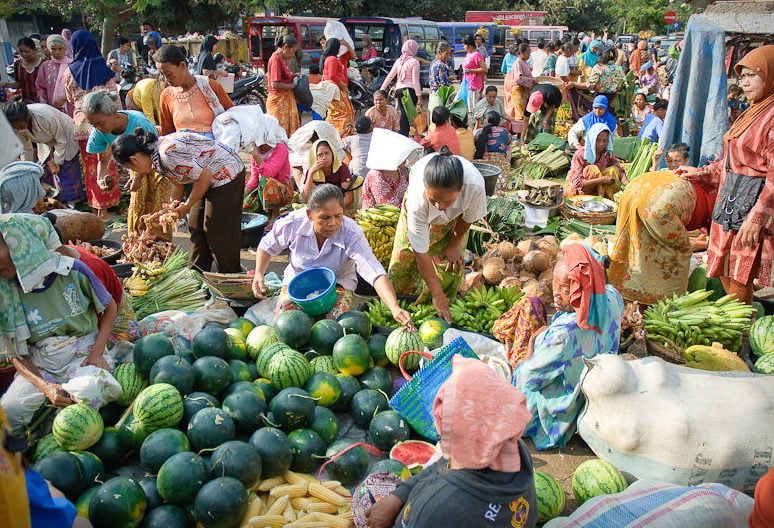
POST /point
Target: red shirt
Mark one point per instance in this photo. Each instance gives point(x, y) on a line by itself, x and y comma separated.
point(334, 70)
point(442, 135)
point(26, 80)
point(277, 70)
point(103, 272)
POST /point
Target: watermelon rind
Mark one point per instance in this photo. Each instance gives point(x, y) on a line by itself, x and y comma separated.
point(596, 477)
point(389, 465)
point(77, 427)
point(550, 496)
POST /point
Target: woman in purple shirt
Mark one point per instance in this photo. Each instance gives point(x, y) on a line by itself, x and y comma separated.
point(320, 235)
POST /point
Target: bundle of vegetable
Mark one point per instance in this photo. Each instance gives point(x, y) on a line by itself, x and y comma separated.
point(180, 290)
point(643, 160)
point(693, 319)
point(573, 225)
point(481, 307)
point(143, 274)
point(503, 222)
point(380, 314)
point(145, 248)
point(378, 224)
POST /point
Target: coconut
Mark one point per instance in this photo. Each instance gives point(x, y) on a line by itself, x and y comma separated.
point(549, 245)
point(507, 250)
point(534, 288)
point(536, 261)
point(547, 276)
point(510, 282)
point(494, 270)
point(524, 246)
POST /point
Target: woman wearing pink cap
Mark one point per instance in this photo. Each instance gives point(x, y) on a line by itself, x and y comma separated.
point(541, 110)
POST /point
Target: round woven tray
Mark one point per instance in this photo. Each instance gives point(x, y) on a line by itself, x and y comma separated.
point(590, 218)
point(667, 354)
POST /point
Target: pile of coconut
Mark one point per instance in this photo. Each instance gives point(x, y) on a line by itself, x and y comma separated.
point(528, 265)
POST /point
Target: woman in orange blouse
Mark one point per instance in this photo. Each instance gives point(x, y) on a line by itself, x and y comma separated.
point(190, 103)
point(341, 114)
point(281, 102)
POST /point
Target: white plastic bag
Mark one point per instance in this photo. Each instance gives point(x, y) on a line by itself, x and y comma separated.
point(490, 351)
point(186, 324)
point(93, 386)
point(262, 313)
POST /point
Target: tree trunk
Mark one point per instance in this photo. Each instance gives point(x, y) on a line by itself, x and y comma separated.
point(108, 34)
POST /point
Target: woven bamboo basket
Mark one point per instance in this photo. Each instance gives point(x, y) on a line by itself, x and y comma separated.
point(590, 218)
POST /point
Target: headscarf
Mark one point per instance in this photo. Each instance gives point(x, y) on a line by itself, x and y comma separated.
point(324, 130)
point(59, 40)
point(761, 61)
point(319, 176)
point(607, 118)
point(408, 51)
point(272, 133)
point(205, 51)
point(332, 46)
point(645, 67)
point(89, 68)
point(589, 57)
point(20, 187)
point(389, 150)
point(30, 239)
point(588, 292)
point(56, 40)
point(590, 150)
point(480, 417)
point(67, 39)
point(516, 327)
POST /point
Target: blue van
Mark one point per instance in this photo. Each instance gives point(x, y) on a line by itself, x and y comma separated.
point(389, 34)
point(454, 32)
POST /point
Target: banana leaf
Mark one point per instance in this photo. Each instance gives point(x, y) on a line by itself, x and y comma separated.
point(408, 106)
point(446, 94)
point(450, 283)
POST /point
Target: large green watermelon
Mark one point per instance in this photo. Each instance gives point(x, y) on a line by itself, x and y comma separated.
point(366, 404)
point(258, 338)
point(243, 325)
point(267, 354)
point(246, 409)
point(698, 279)
point(65, 472)
point(212, 374)
point(160, 445)
point(46, 446)
point(377, 378)
point(221, 503)
point(82, 504)
point(355, 322)
point(181, 477)
point(376, 344)
point(148, 485)
point(244, 386)
point(237, 349)
point(77, 427)
point(292, 408)
point(431, 332)
point(240, 371)
point(109, 449)
point(762, 336)
point(209, 428)
point(131, 383)
point(389, 465)
point(93, 470)
point(550, 496)
point(308, 449)
point(325, 424)
point(148, 350)
point(351, 466)
point(596, 477)
point(274, 447)
point(194, 402)
point(349, 387)
point(236, 459)
point(289, 368)
point(324, 335)
point(118, 503)
point(401, 340)
point(324, 388)
point(158, 406)
point(211, 341)
point(168, 516)
point(173, 370)
point(388, 428)
point(324, 364)
point(293, 328)
point(765, 364)
point(351, 355)
point(132, 433)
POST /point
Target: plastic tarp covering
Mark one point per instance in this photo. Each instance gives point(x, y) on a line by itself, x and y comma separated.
point(698, 110)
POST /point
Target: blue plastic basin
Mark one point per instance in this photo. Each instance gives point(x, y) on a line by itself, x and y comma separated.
point(310, 281)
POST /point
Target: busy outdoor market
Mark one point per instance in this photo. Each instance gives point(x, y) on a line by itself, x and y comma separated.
point(370, 271)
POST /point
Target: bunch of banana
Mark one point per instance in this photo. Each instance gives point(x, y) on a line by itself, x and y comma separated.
point(380, 314)
point(137, 286)
point(564, 112)
point(481, 307)
point(694, 320)
point(378, 224)
point(143, 275)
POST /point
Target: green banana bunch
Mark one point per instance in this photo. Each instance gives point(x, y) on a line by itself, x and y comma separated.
point(378, 224)
point(692, 319)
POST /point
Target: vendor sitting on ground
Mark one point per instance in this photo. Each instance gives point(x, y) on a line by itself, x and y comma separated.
point(485, 478)
point(594, 168)
point(49, 318)
point(20, 188)
point(654, 121)
point(493, 143)
point(320, 235)
point(490, 103)
point(587, 323)
point(387, 178)
point(443, 135)
point(600, 113)
point(325, 166)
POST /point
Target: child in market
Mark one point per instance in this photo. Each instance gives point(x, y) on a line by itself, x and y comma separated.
point(443, 134)
point(357, 146)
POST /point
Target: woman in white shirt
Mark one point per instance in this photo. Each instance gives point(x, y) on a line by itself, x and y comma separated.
point(445, 196)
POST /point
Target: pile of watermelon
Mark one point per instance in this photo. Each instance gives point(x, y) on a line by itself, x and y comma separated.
point(200, 423)
point(762, 343)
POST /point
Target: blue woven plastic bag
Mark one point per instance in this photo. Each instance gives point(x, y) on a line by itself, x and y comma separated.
point(414, 401)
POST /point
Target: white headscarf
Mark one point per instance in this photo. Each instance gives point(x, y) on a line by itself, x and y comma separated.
point(389, 149)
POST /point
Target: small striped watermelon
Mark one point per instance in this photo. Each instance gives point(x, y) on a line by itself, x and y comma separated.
point(259, 338)
point(131, 383)
point(46, 446)
point(158, 406)
point(550, 496)
point(765, 364)
point(77, 427)
point(762, 336)
point(400, 341)
point(324, 364)
point(266, 355)
point(596, 477)
point(289, 368)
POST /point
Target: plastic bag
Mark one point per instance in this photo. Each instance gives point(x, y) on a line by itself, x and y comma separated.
point(302, 92)
point(186, 324)
point(462, 94)
point(491, 352)
point(262, 313)
point(335, 29)
point(93, 386)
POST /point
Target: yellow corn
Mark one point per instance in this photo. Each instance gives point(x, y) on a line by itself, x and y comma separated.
point(278, 506)
point(262, 521)
point(256, 508)
point(346, 514)
point(295, 478)
point(331, 484)
point(270, 483)
point(321, 492)
point(335, 521)
point(291, 490)
point(300, 503)
point(322, 507)
point(308, 524)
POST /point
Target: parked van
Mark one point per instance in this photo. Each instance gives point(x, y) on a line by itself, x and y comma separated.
point(263, 32)
point(535, 33)
point(389, 34)
point(455, 32)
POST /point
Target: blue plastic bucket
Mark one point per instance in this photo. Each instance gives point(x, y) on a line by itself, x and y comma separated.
point(322, 280)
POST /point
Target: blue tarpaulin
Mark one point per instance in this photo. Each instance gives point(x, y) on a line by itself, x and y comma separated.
point(698, 110)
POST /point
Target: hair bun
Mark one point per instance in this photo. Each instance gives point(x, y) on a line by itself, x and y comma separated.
point(445, 151)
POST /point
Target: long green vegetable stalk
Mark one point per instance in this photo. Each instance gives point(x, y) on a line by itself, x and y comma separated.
point(175, 262)
point(177, 291)
point(552, 157)
point(642, 160)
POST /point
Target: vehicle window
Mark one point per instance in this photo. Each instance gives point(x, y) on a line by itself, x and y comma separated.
point(271, 32)
point(499, 37)
point(535, 35)
point(416, 33)
point(315, 34)
point(432, 33)
point(255, 46)
point(304, 35)
point(448, 32)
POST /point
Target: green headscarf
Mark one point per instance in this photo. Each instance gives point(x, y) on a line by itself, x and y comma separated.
point(30, 239)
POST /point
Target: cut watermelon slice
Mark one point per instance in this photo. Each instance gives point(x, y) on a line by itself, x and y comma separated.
point(414, 454)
